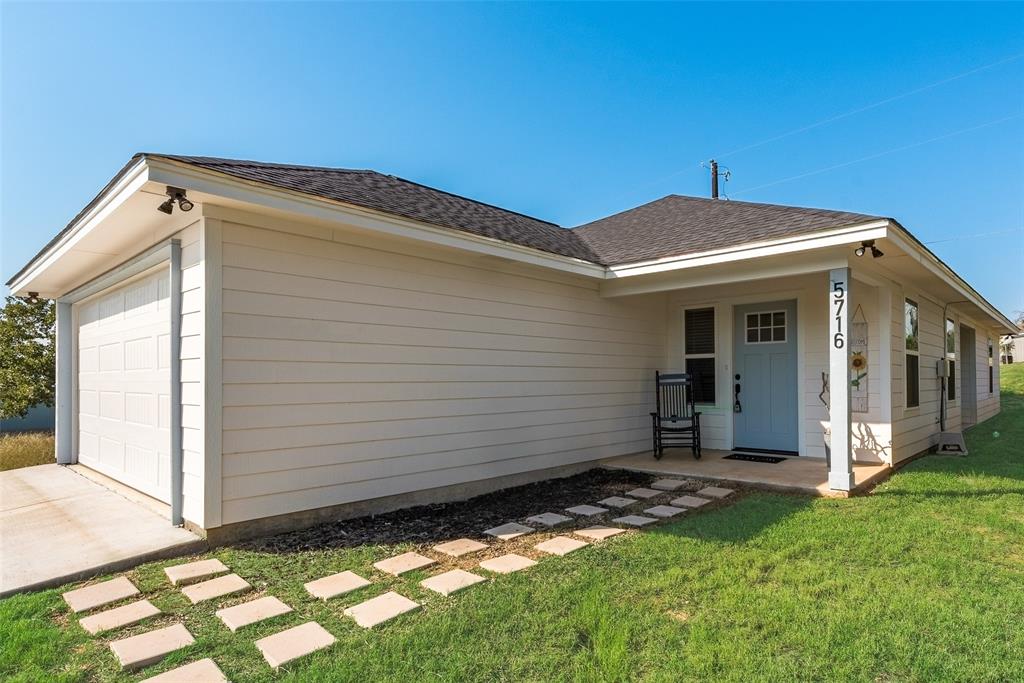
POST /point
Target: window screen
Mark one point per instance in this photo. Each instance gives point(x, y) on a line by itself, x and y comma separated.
point(913, 382)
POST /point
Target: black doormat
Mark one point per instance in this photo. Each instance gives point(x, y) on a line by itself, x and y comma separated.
point(750, 457)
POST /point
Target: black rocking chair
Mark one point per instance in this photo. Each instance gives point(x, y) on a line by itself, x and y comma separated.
point(676, 422)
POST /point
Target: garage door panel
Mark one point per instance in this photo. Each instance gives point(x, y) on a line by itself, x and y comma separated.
point(124, 384)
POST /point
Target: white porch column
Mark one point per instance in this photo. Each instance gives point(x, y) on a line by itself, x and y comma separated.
point(840, 475)
point(64, 428)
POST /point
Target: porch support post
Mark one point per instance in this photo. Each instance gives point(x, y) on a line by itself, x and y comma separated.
point(64, 428)
point(840, 475)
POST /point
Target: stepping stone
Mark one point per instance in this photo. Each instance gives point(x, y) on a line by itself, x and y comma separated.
point(203, 671)
point(689, 502)
point(509, 531)
point(506, 564)
point(549, 519)
point(251, 612)
point(380, 609)
point(215, 588)
point(715, 492)
point(335, 585)
point(295, 642)
point(617, 502)
point(664, 511)
point(451, 582)
point(560, 545)
point(668, 484)
point(462, 546)
point(99, 594)
point(150, 647)
point(599, 532)
point(635, 520)
point(643, 493)
point(194, 571)
point(586, 510)
point(118, 617)
point(406, 562)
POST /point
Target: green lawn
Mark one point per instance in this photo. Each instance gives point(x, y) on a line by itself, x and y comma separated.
point(25, 450)
point(921, 581)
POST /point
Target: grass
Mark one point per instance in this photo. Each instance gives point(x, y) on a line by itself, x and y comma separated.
point(25, 450)
point(921, 581)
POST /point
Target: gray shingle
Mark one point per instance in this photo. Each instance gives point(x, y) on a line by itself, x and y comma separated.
point(677, 225)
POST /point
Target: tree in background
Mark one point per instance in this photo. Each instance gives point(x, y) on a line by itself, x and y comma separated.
point(27, 368)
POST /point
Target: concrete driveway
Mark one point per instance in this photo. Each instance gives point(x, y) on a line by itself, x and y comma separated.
point(58, 526)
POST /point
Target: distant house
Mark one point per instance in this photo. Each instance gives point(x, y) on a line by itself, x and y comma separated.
point(264, 345)
point(1011, 348)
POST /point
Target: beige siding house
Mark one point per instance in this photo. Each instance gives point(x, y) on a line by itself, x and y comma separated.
point(323, 343)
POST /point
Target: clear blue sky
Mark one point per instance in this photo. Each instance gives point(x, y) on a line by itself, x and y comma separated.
point(567, 112)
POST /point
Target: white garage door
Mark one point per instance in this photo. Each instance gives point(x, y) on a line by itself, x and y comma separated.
point(124, 382)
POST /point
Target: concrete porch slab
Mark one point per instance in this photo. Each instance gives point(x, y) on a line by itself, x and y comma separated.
point(57, 526)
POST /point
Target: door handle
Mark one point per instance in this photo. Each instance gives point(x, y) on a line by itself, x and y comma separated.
point(737, 407)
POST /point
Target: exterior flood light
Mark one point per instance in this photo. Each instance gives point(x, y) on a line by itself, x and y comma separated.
point(865, 246)
point(175, 194)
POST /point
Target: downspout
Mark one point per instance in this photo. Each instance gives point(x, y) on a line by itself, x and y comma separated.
point(177, 457)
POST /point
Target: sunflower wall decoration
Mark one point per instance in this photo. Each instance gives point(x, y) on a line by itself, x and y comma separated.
point(859, 362)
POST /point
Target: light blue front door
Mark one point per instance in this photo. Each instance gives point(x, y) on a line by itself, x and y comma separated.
point(764, 377)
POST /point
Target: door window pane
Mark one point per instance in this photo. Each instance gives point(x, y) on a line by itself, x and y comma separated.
point(699, 324)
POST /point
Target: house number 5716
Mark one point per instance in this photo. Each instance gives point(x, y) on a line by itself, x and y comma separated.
point(838, 302)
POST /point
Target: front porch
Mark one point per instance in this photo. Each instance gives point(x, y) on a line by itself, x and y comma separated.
point(794, 474)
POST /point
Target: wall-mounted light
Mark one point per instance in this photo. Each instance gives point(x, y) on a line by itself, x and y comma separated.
point(32, 298)
point(175, 194)
point(869, 244)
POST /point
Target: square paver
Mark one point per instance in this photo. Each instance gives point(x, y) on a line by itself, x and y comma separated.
point(132, 613)
point(150, 647)
point(451, 582)
point(549, 519)
point(215, 588)
point(560, 545)
point(510, 530)
point(460, 547)
point(506, 564)
point(689, 502)
point(295, 642)
point(617, 502)
point(251, 612)
point(99, 594)
point(635, 520)
point(336, 584)
point(599, 532)
point(194, 571)
point(586, 510)
point(668, 484)
point(643, 493)
point(203, 671)
point(664, 511)
point(715, 492)
point(380, 609)
point(406, 562)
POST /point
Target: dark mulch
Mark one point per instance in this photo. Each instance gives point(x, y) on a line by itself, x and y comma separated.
point(443, 522)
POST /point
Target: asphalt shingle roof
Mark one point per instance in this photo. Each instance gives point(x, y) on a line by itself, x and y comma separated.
point(676, 225)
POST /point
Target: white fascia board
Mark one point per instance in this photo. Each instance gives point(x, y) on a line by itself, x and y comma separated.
point(130, 183)
point(873, 230)
point(199, 180)
point(910, 246)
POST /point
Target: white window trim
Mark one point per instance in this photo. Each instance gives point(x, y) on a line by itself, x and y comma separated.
point(713, 355)
point(911, 352)
point(785, 327)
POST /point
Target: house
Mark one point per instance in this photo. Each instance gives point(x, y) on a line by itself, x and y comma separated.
point(261, 346)
point(1011, 348)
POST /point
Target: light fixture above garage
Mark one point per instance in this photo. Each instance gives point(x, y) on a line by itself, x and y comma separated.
point(869, 244)
point(175, 194)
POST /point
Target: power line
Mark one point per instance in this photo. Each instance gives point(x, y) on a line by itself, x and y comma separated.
point(878, 154)
point(868, 107)
point(980, 234)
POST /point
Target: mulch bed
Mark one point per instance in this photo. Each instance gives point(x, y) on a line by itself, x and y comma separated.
point(427, 525)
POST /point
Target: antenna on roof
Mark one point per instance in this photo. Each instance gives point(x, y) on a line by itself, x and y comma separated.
point(713, 165)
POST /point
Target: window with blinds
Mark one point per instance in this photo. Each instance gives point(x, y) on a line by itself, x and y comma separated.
point(699, 352)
